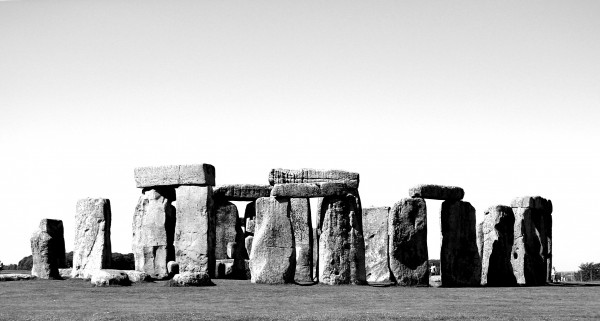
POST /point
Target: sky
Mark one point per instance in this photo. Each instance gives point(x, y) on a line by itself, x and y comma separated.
point(501, 98)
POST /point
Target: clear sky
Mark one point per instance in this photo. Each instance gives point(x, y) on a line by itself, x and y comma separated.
point(501, 98)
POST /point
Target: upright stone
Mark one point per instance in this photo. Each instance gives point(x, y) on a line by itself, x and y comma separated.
point(375, 224)
point(230, 241)
point(303, 236)
point(273, 257)
point(407, 229)
point(92, 250)
point(460, 260)
point(195, 229)
point(153, 232)
point(48, 249)
point(249, 218)
point(341, 243)
point(497, 234)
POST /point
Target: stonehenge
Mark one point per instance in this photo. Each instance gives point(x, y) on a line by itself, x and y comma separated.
point(92, 249)
point(496, 237)
point(48, 249)
point(375, 230)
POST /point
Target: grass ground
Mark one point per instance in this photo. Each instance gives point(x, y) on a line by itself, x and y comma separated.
point(242, 300)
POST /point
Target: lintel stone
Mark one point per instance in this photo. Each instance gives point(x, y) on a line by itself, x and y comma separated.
point(196, 174)
point(437, 192)
point(308, 175)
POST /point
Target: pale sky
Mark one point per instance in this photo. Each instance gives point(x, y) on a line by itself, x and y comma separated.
point(501, 98)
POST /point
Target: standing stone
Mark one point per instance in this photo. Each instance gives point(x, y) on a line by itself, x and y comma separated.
point(497, 233)
point(303, 236)
point(407, 229)
point(341, 243)
point(153, 232)
point(248, 242)
point(227, 229)
point(48, 249)
point(460, 260)
point(375, 222)
point(195, 229)
point(92, 250)
point(273, 257)
point(249, 217)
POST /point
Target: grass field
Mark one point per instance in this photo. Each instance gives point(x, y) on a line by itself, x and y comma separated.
point(242, 300)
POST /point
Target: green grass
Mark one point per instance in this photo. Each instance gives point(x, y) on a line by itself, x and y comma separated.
point(242, 300)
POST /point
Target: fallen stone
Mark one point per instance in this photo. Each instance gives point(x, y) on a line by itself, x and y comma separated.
point(307, 175)
point(496, 237)
point(137, 276)
point(109, 277)
point(341, 243)
point(16, 277)
point(306, 190)
point(92, 249)
point(407, 230)
point(242, 192)
point(273, 257)
point(173, 268)
point(375, 230)
point(437, 192)
point(48, 249)
point(195, 229)
point(197, 174)
point(302, 227)
point(527, 262)
point(460, 260)
point(190, 279)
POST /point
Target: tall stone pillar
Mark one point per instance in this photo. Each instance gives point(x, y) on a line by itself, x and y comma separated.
point(229, 240)
point(375, 228)
point(48, 249)
point(303, 236)
point(496, 238)
point(92, 250)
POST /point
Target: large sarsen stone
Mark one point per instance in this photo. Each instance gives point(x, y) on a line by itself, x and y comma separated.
point(496, 237)
point(48, 249)
point(92, 250)
point(375, 229)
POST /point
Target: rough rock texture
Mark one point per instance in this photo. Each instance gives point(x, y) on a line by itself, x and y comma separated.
point(527, 262)
point(249, 217)
point(137, 276)
point(534, 202)
point(190, 279)
point(109, 277)
point(302, 227)
point(437, 192)
point(48, 249)
point(407, 230)
point(341, 243)
point(248, 243)
point(497, 236)
point(195, 229)
point(92, 249)
point(307, 175)
point(16, 277)
point(227, 230)
point(375, 229)
point(241, 192)
point(273, 257)
point(460, 260)
point(153, 232)
point(303, 190)
point(197, 174)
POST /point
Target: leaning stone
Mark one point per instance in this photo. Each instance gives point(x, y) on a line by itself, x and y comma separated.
point(437, 192)
point(16, 277)
point(375, 229)
point(307, 175)
point(497, 234)
point(48, 249)
point(197, 174)
point(527, 262)
point(460, 260)
point(273, 256)
point(302, 227)
point(341, 243)
point(109, 277)
point(305, 190)
point(190, 279)
point(242, 192)
point(195, 229)
point(407, 230)
point(92, 250)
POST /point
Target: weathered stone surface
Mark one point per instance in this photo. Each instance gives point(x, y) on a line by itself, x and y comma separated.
point(459, 258)
point(527, 262)
point(48, 249)
point(137, 276)
point(197, 174)
point(65, 273)
point(303, 190)
point(437, 192)
point(227, 230)
point(153, 231)
point(172, 268)
point(341, 243)
point(497, 236)
point(109, 277)
point(249, 217)
point(302, 227)
point(535, 202)
point(407, 230)
point(248, 242)
point(273, 257)
point(195, 229)
point(190, 279)
point(92, 250)
point(375, 229)
point(16, 277)
point(307, 175)
point(242, 192)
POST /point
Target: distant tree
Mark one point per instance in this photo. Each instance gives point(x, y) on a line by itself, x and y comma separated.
point(588, 272)
point(1, 266)
point(26, 263)
point(123, 261)
point(10, 267)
